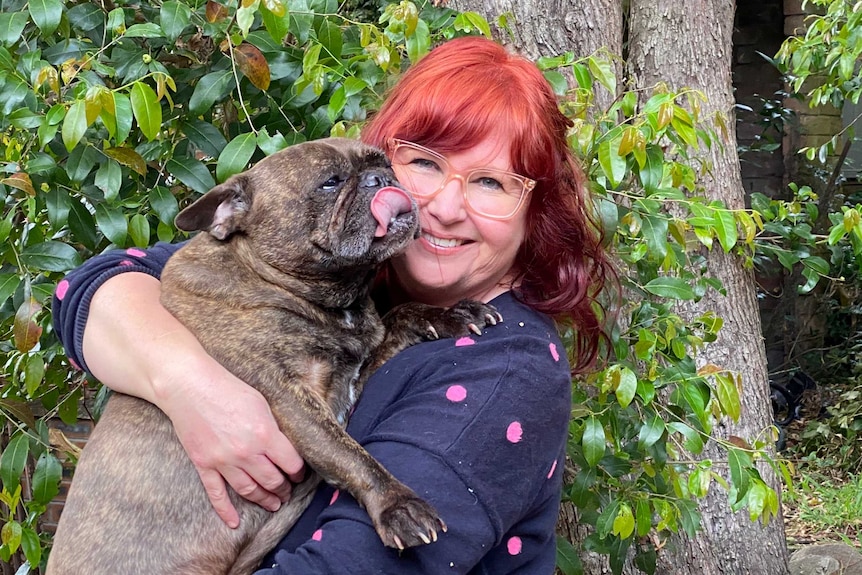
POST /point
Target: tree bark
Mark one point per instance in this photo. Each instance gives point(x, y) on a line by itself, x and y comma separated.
point(552, 27)
point(688, 44)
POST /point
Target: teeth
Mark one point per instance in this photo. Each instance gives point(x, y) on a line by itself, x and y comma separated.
point(440, 242)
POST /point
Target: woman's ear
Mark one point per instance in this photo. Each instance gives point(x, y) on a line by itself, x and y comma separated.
point(220, 211)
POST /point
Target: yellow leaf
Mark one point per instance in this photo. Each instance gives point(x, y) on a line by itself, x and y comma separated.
point(128, 157)
point(20, 181)
point(215, 12)
point(253, 65)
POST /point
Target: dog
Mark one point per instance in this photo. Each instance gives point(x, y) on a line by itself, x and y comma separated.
point(277, 290)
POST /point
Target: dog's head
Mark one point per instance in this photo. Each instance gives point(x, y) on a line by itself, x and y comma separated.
point(319, 206)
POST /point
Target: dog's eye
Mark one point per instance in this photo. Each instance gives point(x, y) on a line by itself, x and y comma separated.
point(331, 184)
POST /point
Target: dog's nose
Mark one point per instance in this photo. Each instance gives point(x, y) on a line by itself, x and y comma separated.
point(373, 180)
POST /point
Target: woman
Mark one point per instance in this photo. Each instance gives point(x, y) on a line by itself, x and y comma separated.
point(476, 426)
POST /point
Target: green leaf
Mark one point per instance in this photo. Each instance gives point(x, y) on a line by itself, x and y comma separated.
point(235, 156)
point(52, 256)
point(8, 284)
point(419, 42)
point(624, 522)
point(277, 26)
point(728, 395)
point(644, 517)
point(31, 545)
point(11, 27)
point(34, 372)
point(613, 165)
point(626, 384)
point(651, 173)
point(80, 162)
point(557, 81)
point(147, 110)
point(164, 204)
point(568, 560)
point(11, 534)
point(725, 229)
point(479, 22)
point(330, 36)
point(654, 231)
point(192, 173)
point(82, 225)
point(270, 144)
point(46, 15)
point(593, 441)
point(301, 20)
point(205, 137)
point(74, 125)
point(209, 89)
point(174, 17)
point(650, 432)
point(139, 230)
point(603, 71)
point(112, 223)
point(12, 461)
point(605, 521)
point(46, 478)
point(145, 30)
point(108, 179)
point(583, 76)
point(671, 288)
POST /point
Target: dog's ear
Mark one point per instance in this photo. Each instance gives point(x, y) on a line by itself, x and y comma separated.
point(220, 211)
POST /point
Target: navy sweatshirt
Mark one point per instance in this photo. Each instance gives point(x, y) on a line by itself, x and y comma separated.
point(477, 426)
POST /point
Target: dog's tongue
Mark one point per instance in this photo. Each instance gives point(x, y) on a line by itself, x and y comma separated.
point(388, 203)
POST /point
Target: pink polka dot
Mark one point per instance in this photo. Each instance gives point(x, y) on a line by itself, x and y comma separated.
point(62, 288)
point(317, 535)
point(136, 252)
point(456, 393)
point(464, 341)
point(126, 263)
point(514, 432)
point(335, 495)
point(553, 468)
point(554, 353)
point(514, 546)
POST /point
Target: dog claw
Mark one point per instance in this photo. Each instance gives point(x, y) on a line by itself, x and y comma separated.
point(475, 329)
point(424, 538)
point(433, 332)
point(490, 319)
point(398, 543)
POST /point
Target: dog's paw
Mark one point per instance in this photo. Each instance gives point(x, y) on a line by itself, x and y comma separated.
point(466, 317)
point(408, 522)
point(414, 322)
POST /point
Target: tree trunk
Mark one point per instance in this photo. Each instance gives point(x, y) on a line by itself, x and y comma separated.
point(552, 27)
point(688, 44)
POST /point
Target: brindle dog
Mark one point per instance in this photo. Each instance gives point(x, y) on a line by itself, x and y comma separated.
point(278, 292)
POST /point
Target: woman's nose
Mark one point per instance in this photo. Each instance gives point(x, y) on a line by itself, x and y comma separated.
point(447, 206)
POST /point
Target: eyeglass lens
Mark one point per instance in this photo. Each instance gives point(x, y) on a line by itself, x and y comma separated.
point(488, 191)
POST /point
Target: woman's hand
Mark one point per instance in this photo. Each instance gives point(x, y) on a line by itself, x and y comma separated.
point(135, 346)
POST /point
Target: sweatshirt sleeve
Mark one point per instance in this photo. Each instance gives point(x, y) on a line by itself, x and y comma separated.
point(71, 303)
point(480, 434)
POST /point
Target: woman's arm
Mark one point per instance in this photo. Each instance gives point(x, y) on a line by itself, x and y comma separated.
point(134, 346)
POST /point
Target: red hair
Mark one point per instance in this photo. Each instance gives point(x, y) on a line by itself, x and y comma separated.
point(471, 88)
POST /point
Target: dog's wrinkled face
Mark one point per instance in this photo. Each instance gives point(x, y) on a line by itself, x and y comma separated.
point(316, 207)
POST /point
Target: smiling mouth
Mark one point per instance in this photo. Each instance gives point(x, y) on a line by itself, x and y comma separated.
point(441, 242)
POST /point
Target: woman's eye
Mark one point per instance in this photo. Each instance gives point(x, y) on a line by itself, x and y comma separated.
point(489, 183)
point(425, 164)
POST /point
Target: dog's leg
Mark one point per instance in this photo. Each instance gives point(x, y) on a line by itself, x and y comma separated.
point(400, 517)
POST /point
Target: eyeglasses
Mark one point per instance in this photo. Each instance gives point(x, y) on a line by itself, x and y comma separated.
point(488, 192)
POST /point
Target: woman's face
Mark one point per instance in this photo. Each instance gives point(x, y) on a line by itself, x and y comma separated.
point(461, 254)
